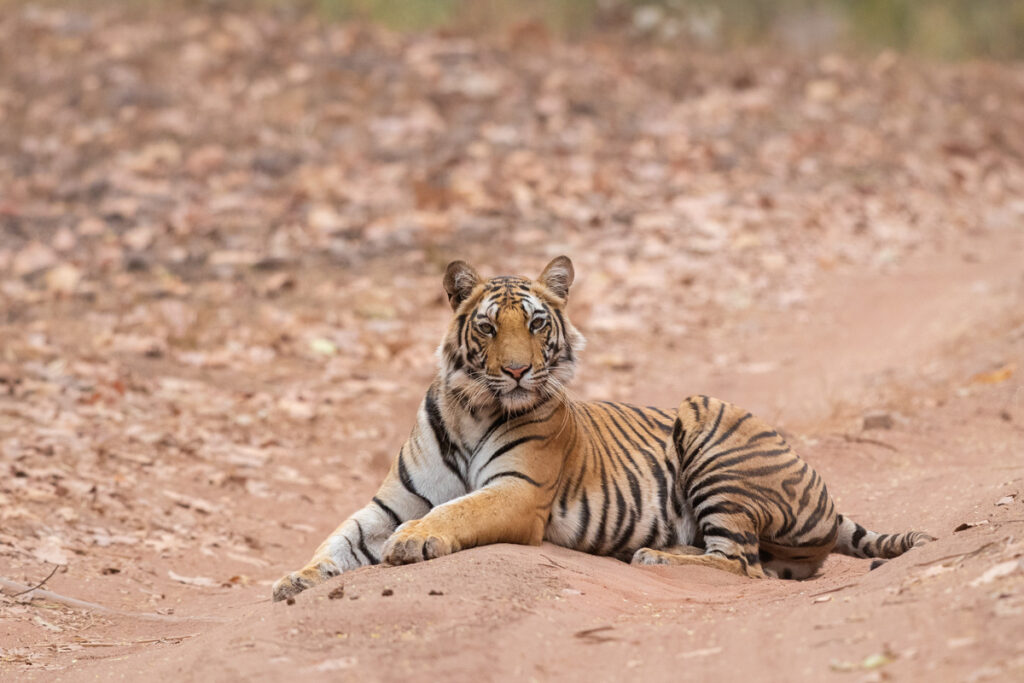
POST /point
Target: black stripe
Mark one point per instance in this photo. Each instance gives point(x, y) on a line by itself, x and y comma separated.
point(659, 411)
point(352, 549)
point(714, 428)
point(406, 479)
point(726, 463)
point(509, 446)
point(639, 413)
point(584, 522)
point(880, 543)
point(620, 517)
point(816, 514)
point(789, 483)
point(504, 419)
point(395, 519)
point(362, 545)
point(729, 432)
point(561, 326)
point(598, 540)
point(742, 538)
point(651, 537)
point(517, 475)
point(445, 444)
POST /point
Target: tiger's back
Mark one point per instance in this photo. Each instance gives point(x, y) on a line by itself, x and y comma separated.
point(645, 484)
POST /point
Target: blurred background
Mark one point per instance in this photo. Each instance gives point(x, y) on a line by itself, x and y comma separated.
point(946, 29)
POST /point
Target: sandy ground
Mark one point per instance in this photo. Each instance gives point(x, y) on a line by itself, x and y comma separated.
point(221, 243)
point(918, 345)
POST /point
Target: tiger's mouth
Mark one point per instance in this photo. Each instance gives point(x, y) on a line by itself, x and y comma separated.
point(518, 398)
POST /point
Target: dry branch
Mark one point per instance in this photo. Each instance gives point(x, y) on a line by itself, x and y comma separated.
point(40, 584)
point(83, 604)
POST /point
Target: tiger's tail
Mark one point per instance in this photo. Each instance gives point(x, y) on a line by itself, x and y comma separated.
point(857, 541)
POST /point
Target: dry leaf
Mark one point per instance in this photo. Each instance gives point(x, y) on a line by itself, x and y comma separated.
point(200, 581)
point(994, 377)
point(51, 550)
point(63, 279)
point(999, 571)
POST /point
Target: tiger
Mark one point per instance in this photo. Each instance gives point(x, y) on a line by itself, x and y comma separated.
point(501, 453)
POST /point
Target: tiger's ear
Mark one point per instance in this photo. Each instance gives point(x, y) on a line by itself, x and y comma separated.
point(459, 281)
point(558, 276)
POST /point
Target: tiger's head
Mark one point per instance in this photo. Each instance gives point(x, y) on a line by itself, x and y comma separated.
point(510, 345)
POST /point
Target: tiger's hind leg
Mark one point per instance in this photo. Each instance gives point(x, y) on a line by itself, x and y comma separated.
point(664, 555)
point(733, 550)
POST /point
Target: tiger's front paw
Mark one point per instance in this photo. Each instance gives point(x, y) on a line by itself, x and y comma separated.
point(413, 542)
point(290, 585)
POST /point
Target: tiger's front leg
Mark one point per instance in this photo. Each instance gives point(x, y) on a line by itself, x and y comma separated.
point(509, 511)
point(357, 541)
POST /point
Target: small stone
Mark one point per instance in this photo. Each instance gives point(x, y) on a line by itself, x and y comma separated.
point(337, 593)
point(435, 592)
point(386, 592)
point(289, 601)
point(878, 420)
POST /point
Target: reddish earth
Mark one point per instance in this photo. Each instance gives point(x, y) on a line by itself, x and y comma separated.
point(221, 242)
point(917, 345)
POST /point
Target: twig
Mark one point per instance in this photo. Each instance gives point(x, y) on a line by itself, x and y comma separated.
point(40, 584)
point(592, 635)
point(551, 562)
point(173, 640)
point(82, 604)
point(833, 590)
point(874, 442)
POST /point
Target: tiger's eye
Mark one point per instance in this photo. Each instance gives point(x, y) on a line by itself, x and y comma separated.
point(486, 328)
point(538, 324)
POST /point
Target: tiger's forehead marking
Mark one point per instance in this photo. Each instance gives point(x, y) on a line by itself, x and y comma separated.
point(507, 292)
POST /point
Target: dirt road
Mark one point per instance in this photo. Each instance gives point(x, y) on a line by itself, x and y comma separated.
point(221, 244)
point(917, 345)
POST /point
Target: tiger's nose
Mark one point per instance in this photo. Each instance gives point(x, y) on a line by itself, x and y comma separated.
point(516, 371)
